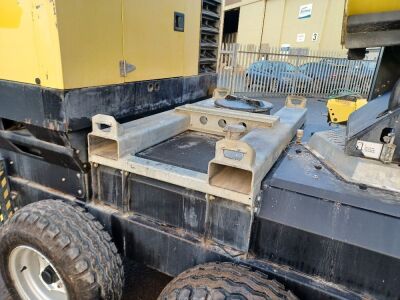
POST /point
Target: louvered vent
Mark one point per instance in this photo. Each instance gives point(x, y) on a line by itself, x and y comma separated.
point(209, 35)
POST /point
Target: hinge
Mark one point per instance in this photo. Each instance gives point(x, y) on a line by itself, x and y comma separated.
point(125, 68)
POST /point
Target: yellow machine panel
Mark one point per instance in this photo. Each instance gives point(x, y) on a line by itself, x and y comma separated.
point(152, 44)
point(359, 7)
point(339, 110)
point(67, 44)
point(90, 37)
point(12, 14)
point(29, 48)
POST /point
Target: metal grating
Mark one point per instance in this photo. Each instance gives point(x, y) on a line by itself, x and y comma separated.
point(209, 38)
point(259, 70)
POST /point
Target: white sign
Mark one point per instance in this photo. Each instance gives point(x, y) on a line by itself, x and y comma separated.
point(370, 149)
point(305, 11)
point(314, 37)
point(301, 37)
point(285, 48)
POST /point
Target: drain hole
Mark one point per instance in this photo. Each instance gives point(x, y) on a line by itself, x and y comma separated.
point(362, 187)
point(203, 120)
point(222, 123)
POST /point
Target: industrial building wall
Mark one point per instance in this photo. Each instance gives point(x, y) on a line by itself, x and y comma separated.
point(250, 22)
point(279, 22)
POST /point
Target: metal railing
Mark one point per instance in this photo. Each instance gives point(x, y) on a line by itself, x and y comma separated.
point(257, 71)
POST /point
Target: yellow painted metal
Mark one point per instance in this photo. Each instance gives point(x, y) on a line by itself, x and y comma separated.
point(29, 43)
point(358, 7)
point(90, 41)
point(11, 14)
point(69, 44)
point(152, 45)
point(192, 38)
point(339, 110)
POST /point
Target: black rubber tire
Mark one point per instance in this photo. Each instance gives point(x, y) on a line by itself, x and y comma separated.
point(73, 241)
point(223, 281)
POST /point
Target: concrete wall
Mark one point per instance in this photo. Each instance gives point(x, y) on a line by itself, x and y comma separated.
point(282, 25)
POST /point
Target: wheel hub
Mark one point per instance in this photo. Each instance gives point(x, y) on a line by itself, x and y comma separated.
point(49, 276)
point(34, 277)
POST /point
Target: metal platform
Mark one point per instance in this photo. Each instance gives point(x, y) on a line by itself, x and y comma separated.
point(251, 146)
point(329, 147)
point(190, 150)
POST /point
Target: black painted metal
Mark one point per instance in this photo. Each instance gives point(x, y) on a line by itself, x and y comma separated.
point(373, 30)
point(71, 110)
point(158, 201)
point(191, 150)
point(370, 122)
point(36, 170)
point(221, 221)
point(387, 72)
point(383, 110)
point(172, 251)
point(50, 152)
point(245, 104)
point(320, 225)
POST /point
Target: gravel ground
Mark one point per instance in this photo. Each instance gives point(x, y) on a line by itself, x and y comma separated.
point(141, 283)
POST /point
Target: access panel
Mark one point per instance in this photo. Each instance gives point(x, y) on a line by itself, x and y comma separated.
point(161, 38)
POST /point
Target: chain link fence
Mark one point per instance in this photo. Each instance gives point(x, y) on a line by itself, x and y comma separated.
point(256, 71)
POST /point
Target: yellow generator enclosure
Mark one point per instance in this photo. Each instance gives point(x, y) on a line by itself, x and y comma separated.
point(66, 44)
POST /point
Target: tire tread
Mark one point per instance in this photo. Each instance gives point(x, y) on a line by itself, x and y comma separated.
point(221, 281)
point(94, 264)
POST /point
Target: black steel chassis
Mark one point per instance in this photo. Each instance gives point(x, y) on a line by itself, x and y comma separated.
point(320, 236)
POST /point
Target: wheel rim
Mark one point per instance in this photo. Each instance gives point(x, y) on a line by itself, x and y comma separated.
point(34, 277)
